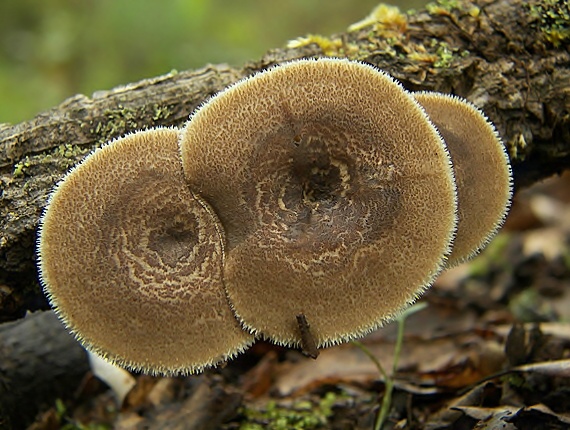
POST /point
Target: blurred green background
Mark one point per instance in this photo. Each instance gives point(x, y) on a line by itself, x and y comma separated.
point(53, 49)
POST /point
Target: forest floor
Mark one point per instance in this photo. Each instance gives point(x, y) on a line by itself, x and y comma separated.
point(490, 350)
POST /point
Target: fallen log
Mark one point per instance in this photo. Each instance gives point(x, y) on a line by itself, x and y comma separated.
point(508, 57)
point(39, 363)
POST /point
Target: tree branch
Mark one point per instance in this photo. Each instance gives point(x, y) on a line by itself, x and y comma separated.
point(503, 55)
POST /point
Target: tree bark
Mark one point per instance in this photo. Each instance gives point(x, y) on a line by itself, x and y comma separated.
point(509, 57)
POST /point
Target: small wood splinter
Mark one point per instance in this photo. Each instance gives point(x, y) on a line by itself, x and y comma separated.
point(308, 344)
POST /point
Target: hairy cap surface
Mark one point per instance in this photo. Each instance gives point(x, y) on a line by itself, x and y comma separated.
point(132, 260)
point(482, 170)
point(335, 191)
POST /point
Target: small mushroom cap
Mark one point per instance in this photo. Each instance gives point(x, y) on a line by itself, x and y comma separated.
point(132, 260)
point(482, 170)
point(335, 191)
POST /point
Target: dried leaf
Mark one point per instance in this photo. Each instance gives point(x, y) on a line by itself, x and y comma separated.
point(560, 368)
point(491, 418)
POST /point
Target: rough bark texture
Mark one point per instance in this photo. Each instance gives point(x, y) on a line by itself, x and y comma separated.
point(507, 56)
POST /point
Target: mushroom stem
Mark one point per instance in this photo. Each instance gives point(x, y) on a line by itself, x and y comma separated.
point(308, 344)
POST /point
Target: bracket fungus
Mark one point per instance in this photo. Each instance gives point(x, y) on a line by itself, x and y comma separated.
point(482, 170)
point(132, 260)
point(335, 191)
point(308, 204)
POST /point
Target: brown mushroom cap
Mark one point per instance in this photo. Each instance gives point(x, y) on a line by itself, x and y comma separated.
point(482, 170)
point(132, 260)
point(335, 191)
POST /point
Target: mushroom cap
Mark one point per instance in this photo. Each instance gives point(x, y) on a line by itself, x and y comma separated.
point(335, 191)
point(132, 260)
point(482, 170)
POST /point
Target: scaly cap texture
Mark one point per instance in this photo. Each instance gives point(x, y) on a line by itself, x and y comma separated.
point(336, 193)
point(132, 260)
